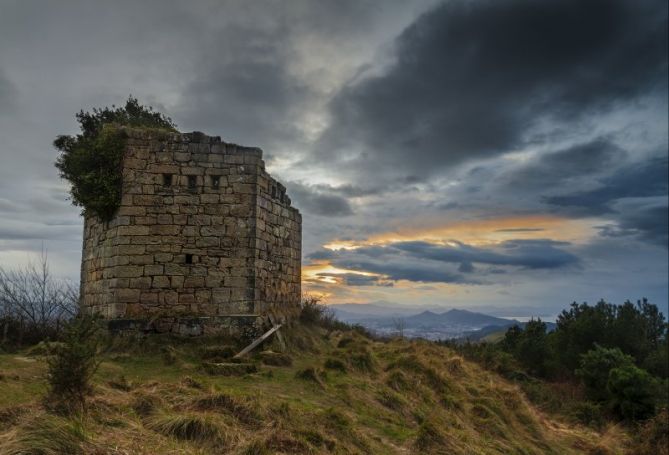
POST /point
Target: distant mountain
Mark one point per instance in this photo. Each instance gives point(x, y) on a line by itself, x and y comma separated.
point(456, 318)
point(369, 310)
point(431, 324)
point(494, 333)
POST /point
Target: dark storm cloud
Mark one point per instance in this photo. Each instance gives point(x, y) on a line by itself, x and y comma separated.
point(552, 170)
point(648, 219)
point(244, 84)
point(473, 79)
point(243, 89)
point(351, 190)
point(635, 197)
point(531, 254)
point(396, 270)
point(642, 179)
point(315, 201)
point(429, 262)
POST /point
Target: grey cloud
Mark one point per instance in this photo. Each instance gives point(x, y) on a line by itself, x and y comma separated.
point(553, 170)
point(352, 190)
point(7, 94)
point(405, 270)
point(466, 267)
point(8, 206)
point(312, 200)
point(472, 79)
point(247, 83)
point(646, 218)
point(243, 90)
point(24, 230)
point(531, 254)
point(427, 262)
point(635, 197)
point(356, 279)
point(641, 179)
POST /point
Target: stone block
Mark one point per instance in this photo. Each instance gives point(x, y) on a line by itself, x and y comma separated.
point(140, 283)
point(128, 271)
point(133, 230)
point(127, 295)
point(176, 281)
point(152, 270)
point(194, 282)
point(160, 281)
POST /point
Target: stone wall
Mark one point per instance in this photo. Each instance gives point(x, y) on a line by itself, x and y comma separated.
point(202, 231)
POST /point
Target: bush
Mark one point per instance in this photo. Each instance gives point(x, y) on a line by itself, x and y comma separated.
point(313, 312)
point(92, 160)
point(532, 349)
point(595, 367)
point(72, 365)
point(632, 392)
point(657, 362)
point(34, 305)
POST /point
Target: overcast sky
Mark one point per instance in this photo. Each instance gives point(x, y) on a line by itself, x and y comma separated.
point(507, 156)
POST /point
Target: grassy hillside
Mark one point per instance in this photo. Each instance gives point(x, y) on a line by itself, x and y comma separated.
point(335, 392)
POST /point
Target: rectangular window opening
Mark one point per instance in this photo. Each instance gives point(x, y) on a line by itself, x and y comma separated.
point(167, 179)
point(215, 181)
point(273, 191)
point(192, 181)
point(189, 259)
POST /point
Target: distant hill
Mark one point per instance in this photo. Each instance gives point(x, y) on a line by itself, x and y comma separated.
point(456, 317)
point(495, 333)
point(430, 324)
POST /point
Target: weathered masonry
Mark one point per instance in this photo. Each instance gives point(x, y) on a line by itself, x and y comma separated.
point(205, 241)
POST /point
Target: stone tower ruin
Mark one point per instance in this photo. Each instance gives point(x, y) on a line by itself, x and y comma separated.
point(205, 240)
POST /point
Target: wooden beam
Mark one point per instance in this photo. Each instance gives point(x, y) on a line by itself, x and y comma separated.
point(253, 345)
point(279, 335)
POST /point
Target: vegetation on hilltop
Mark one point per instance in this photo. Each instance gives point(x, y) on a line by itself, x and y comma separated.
point(336, 389)
point(92, 160)
point(603, 363)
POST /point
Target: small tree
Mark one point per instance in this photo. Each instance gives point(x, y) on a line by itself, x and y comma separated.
point(34, 305)
point(72, 365)
point(92, 160)
point(596, 365)
point(633, 392)
point(511, 338)
point(532, 348)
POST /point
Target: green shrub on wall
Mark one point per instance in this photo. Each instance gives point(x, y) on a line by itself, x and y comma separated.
point(92, 161)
